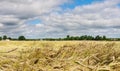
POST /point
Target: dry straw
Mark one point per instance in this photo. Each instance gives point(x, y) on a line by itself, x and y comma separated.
point(82, 56)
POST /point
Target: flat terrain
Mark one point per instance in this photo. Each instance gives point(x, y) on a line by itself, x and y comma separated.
point(59, 56)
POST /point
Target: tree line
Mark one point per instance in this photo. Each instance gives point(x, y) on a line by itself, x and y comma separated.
point(68, 37)
point(83, 37)
point(4, 37)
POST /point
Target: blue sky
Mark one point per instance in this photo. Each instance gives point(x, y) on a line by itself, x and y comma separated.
point(58, 18)
point(34, 21)
point(74, 3)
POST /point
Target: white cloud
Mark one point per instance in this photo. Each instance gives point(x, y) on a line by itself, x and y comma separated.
point(93, 19)
point(97, 18)
point(13, 14)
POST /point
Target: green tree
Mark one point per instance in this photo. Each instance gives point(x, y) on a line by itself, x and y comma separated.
point(9, 38)
point(104, 37)
point(21, 38)
point(84, 37)
point(98, 37)
point(0, 38)
point(90, 38)
point(4, 37)
point(67, 37)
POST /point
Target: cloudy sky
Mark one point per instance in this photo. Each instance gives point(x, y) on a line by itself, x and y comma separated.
point(58, 18)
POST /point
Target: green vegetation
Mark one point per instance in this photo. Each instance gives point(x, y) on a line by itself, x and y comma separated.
point(21, 38)
point(0, 38)
point(83, 37)
point(4, 37)
point(68, 37)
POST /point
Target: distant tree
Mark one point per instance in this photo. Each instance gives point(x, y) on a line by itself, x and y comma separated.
point(4, 37)
point(0, 38)
point(98, 37)
point(21, 38)
point(59, 39)
point(90, 38)
point(76, 38)
point(84, 37)
point(104, 38)
point(67, 37)
point(9, 38)
point(72, 38)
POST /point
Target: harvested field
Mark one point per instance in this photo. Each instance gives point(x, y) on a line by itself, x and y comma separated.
point(59, 56)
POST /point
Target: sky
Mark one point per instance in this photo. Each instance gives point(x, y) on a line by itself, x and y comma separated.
point(58, 18)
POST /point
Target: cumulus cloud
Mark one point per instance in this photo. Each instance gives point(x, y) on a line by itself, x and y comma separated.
point(13, 13)
point(97, 18)
point(92, 19)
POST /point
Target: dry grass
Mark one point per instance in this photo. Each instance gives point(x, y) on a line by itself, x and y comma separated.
point(59, 56)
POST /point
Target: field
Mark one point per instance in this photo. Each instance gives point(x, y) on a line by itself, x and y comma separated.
point(59, 56)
